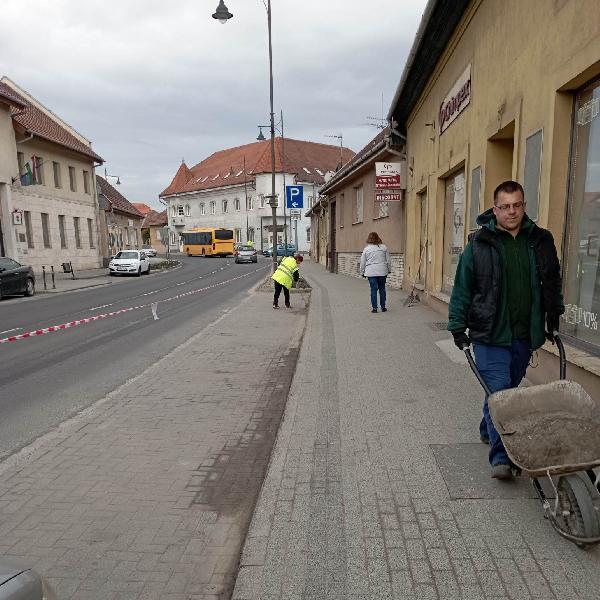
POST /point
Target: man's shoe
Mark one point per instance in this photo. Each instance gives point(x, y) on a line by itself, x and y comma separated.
point(502, 472)
point(383, 309)
point(288, 306)
point(484, 439)
point(275, 306)
point(373, 310)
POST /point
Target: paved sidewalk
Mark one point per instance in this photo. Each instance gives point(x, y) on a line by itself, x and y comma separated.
point(378, 487)
point(148, 494)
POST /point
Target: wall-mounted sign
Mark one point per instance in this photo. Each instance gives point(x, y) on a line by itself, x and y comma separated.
point(456, 101)
point(388, 195)
point(388, 175)
point(17, 217)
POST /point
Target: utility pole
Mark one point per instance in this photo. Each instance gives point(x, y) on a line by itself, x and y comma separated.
point(246, 195)
point(285, 236)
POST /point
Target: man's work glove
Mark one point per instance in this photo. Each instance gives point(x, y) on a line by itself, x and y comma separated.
point(552, 321)
point(461, 339)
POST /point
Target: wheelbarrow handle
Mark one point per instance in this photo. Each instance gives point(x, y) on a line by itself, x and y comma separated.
point(561, 355)
point(475, 370)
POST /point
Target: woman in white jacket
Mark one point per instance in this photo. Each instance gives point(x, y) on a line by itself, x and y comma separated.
point(376, 265)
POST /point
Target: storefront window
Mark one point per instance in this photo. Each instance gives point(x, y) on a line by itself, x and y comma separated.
point(454, 228)
point(582, 264)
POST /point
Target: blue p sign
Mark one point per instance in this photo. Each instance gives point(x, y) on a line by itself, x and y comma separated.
point(294, 196)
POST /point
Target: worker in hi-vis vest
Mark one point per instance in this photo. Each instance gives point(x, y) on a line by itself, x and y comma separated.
point(287, 272)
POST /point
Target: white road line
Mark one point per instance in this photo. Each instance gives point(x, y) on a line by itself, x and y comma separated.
point(9, 330)
point(99, 307)
point(150, 293)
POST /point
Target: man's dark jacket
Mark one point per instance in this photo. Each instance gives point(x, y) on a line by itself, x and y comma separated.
point(479, 296)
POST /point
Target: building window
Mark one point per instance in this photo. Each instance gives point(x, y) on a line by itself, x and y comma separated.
point(126, 236)
point(454, 228)
point(340, 210)
point(188, 210)
point(582, 243)
point(202, 208)
point(180, 210)
point(173, 211)
point(311, 201)
point(39, 170)
point(532, 173)
point(28, 229)
point(46, 231)
point(383, 210)
point(91, 232)
point(236, 205)
point(261, 201)
point(173, 239)
point(56, 171)
point(251, 234)
point(213, 207)
point(238, 236)
point(357, 217)
point(250, 203)
point(72, 179)
point(21, 163)
point(308, 234)
point(77, 232)
point(61, 231)
point(135, 237)
point(224, 206)
point(475, 198)
point(86, 182)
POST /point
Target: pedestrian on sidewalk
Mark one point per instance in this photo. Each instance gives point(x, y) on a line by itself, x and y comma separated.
point(507, 286)
point(285, 276)
point(376, 265)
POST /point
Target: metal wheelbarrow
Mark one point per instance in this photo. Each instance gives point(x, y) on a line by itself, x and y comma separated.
point(553, 431)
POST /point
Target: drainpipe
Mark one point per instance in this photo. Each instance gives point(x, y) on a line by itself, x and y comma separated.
point(25, 140)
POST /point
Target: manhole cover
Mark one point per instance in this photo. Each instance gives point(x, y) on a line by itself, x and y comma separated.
point(466, 472)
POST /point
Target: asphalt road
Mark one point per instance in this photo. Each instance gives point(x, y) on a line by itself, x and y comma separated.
point(46, 379)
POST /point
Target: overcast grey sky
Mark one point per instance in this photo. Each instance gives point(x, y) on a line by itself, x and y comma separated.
point(151, 82)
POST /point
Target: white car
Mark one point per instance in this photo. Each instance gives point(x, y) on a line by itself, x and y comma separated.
point(129, 262)
point(149, 251)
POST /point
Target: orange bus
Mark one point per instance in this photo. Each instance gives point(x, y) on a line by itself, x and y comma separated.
point(208, 241)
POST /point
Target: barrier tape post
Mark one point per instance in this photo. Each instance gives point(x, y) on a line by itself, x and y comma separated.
point(44, 276)
point(53, 284)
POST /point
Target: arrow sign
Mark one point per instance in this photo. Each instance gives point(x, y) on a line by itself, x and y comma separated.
point(294, 196)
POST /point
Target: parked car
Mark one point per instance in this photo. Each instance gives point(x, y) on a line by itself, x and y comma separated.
point(129, 262)
point(245, 254)
point(149, 251)
point(291, 250)
point(22, 583)
point(15, 278)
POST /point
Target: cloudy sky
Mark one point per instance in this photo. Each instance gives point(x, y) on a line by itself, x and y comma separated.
point(151, 82)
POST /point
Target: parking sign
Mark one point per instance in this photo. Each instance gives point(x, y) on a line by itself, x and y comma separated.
point(294, 196)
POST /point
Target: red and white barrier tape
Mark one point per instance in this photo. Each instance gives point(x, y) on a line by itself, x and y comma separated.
point(53, 328)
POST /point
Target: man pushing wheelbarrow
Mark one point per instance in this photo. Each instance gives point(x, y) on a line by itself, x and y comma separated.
point(506, 301)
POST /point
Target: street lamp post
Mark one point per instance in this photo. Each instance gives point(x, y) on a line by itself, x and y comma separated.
point(222, 14)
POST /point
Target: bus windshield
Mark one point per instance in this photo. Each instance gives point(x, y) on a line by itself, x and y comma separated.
point(223, 234)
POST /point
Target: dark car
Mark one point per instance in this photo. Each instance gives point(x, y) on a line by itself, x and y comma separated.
point(15, 278)
point(245, 254)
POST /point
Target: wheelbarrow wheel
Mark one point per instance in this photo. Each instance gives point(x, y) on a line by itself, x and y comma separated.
point(577, 514)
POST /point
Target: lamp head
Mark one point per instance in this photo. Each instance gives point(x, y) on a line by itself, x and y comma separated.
point(222, 13)
point(261, 137)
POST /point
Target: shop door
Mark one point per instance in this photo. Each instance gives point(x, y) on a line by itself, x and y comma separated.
point(582, 272)
point(422, 258)
point(454, 228)
point(332, 243)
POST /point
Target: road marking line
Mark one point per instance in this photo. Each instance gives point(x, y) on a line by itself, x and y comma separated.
point(103, 306)
point(11, 330)
point(53, 328)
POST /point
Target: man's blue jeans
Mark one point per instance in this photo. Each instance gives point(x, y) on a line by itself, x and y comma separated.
point(501, 368)
point(377, 283)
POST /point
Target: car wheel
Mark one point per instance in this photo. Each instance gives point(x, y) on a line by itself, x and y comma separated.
point(29, 287)
point(139, 273)
point(0, 292)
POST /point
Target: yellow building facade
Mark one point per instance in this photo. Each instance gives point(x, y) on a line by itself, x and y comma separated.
point(511, 92)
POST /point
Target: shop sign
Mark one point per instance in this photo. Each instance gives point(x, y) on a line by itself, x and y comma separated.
point(388, 175)
point(456, 101)
point(388, 195)
point(17, 217)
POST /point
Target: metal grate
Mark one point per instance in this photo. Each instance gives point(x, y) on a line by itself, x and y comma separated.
point(439, 325)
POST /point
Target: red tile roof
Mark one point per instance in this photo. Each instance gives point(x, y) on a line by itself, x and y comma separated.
point(225, 168)
point(143, 208)
point(155, 219)
point(41, 125)
point(7, 94)
point(117, 201)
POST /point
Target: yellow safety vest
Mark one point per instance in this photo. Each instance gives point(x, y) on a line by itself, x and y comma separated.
point(285, 272)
